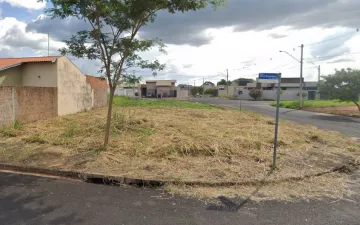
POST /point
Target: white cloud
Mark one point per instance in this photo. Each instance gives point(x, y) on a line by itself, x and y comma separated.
point(15, 39)
point(29, 4)
point(257, 51)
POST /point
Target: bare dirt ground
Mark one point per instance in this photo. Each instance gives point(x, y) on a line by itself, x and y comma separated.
point(187, 145)
point(337, 110)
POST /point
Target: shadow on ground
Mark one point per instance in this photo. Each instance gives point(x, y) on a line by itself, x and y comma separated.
point(229, 205)
point(335, 118)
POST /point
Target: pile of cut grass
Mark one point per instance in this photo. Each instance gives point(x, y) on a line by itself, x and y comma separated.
point(178, 144)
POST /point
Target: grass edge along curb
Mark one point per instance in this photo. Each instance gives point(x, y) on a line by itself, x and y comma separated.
point(118, 180)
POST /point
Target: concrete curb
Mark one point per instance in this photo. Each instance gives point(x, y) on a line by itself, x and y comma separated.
point(118, 180)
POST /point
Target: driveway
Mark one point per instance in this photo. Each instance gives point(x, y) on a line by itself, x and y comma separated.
point(34, 200)
point(346, 125)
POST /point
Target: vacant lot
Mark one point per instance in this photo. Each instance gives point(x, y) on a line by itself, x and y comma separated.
point(181, 142)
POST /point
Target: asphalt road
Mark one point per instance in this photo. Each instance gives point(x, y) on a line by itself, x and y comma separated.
point(34, 200)
point(346, 125)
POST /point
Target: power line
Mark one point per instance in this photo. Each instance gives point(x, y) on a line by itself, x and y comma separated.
point(331, 56)
point(333, 37)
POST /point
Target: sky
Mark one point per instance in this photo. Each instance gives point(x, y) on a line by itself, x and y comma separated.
point(243, 37)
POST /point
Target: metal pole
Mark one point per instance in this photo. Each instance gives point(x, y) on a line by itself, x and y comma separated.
point(48, 44)
point(227, 82)
point(240, 104)
point(188, 91)
point(301, 77)
point(203, 92)
point(277, 121)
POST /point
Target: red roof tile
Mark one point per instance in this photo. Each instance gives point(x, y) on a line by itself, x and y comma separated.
point(96, 82)
point(10, 62)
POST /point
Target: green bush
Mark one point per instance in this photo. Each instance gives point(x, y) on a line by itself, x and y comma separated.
point(70, 130)
point(213, 92)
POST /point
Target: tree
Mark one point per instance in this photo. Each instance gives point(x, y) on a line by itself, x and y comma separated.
point(112, 34)
point(343, 85)
point(255, 93)
point(209, 83)
point(196, 90)
point(213, 92)
point(223, 82)
point(243, 81)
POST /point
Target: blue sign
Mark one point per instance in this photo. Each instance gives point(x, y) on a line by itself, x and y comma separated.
point(269, 76)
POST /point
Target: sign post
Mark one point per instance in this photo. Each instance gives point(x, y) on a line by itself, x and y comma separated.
point(274, 78)
point(240, 93)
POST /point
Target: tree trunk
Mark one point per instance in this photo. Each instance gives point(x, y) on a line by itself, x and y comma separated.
point(357, 104)
point(108, 121)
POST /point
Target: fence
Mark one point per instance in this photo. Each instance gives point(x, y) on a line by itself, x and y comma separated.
point(267, 94)
point(27, 104)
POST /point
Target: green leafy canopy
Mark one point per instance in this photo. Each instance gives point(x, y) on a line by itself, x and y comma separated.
point(112, 34)
point(344, 85)
point(113, 28)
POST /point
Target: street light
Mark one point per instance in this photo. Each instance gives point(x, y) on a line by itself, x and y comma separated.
point(301, 72)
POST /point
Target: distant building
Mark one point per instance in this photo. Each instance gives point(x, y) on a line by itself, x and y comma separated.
point(162, 89)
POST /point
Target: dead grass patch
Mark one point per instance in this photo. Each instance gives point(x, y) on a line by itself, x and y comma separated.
point(179, 144)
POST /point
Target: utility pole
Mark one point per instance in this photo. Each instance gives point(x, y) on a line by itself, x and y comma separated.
point(203, 92)
point(188, 90)
point(48, 44)
point(319, 73)
point(227, 82)
point(301, 76)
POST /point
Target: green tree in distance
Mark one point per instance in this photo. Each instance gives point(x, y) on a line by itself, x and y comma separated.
point(112, 34)
point(243, 81)
point(196, 90)
point(223, 82)
point(343, 85)
point(209, 83)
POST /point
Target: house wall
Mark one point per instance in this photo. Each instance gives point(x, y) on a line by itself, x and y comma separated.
point(74, 93)
point(271, 94)
point(35, 103)
point(27, 104)
point(11, 77)
point(7, 105)
point(162, 90)
point(182, 94)
point(151, 86)
point(100, 98)
point(42, 74)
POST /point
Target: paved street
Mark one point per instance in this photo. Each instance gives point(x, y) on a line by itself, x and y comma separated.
point(31, 200)
point(345, 125)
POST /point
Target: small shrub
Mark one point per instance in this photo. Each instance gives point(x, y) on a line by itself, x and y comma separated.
point(70, 130)
point(17, 125)
point(213, 92)
point(35, 138)
point(7, 132)
point(255, 93)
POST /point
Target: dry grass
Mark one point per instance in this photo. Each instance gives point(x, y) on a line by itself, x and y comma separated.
point(352, 111)
point(178, 144)
point(333, 186)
